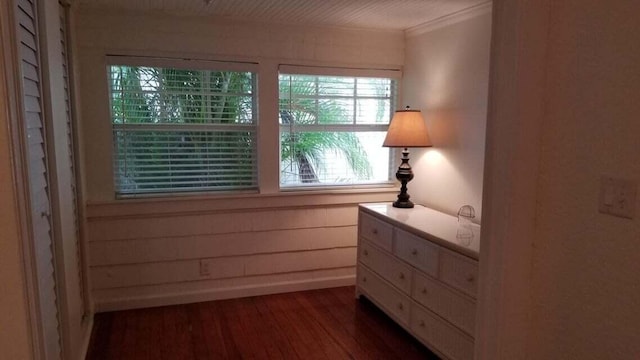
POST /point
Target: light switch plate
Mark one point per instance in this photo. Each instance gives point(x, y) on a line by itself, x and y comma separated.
point(617, 196)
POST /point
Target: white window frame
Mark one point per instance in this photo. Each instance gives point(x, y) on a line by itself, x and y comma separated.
point(394, 74)
point(205, 65)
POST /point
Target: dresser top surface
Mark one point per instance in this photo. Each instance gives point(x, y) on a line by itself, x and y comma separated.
point(438, 227)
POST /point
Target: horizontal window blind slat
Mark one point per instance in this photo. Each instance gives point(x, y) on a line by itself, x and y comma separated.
point(172, 93)
point(337, 97)
point(139, 166)
point(201, 178)
point(175, 190)
point(235, 176)
point(338, 71)
point(192, 123)
point(332, 128)
point(196, 185)
point(204, 128)
point(186, 166)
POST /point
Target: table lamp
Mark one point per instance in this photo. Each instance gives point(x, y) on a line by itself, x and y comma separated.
point(407, 129)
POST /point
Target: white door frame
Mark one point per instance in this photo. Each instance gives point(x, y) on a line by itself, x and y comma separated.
point(516, 109)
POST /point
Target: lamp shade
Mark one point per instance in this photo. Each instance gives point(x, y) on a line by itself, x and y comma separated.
point(407, 129)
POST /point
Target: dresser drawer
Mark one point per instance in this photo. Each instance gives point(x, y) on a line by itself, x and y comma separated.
point(386, 266)
point(442, 336)
point(384, 294)
point(417, 251)
point(376, 231)
point(459, 271)
point(459, 309)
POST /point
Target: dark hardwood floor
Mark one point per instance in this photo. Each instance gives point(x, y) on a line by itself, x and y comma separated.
point(318, 324)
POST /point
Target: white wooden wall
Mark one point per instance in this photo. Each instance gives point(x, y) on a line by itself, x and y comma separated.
point(156, 259)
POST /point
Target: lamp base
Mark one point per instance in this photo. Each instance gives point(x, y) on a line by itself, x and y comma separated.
point(404, 174)
point(404, 204)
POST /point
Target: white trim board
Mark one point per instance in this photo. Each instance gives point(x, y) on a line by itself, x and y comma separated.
point(450, 19)
point(221, 293)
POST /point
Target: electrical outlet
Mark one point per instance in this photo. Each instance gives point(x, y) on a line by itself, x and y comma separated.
point(617, 197)
point(205, 268)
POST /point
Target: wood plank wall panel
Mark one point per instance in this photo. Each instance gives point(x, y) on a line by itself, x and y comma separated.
point(155, 260)
point(226, 267)
point(133, 251)
point(174, 293)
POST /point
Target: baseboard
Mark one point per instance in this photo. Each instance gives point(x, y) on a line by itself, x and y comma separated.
point(220, 294)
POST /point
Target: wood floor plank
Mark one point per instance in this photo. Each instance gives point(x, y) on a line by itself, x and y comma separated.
point(329, 312)
point(369, 316)
point(198, 332)
point(271, 326)
point(117, 336)
point(331, 349)
point(254, 328)
point(345, 314)
point(100, 337)
point(285, 310)
point(229, 330)
point(212, 331)
point(152, 318)
point(317, 324)
point(319, 310)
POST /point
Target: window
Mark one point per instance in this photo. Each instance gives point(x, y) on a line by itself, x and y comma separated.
point(181, 129)
point(332, 129)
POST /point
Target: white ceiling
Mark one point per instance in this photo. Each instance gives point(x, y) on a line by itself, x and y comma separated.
point(372, 14)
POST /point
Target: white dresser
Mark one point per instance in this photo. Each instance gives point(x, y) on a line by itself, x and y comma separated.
point(420, 266)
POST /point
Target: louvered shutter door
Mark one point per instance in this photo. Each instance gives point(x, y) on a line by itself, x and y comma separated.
point(70, 142)
point(38, 177)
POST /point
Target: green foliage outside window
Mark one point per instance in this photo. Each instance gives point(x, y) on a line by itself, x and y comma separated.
point(182, 130)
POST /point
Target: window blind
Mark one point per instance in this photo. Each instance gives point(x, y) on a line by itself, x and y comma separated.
point(332, 128)
point(178, 130)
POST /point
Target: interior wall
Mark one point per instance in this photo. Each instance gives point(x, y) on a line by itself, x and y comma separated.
point(585, 268)
point(103, 32)
point(446, 76)
point(146, 252)
point(15, 339)
point(14, 335)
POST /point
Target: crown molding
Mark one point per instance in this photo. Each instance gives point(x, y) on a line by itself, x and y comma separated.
point(450, 19)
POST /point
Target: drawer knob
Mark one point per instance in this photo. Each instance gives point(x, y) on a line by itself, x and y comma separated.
point(422, 324)
point(400, 306)
point(424, 291)
point(364, 279)
point(365, 253)
point(375, 231)
point(414, 252)
point(471, 278)
point(401, 276)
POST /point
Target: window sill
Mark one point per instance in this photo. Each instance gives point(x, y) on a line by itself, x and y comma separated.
point(181, 205)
